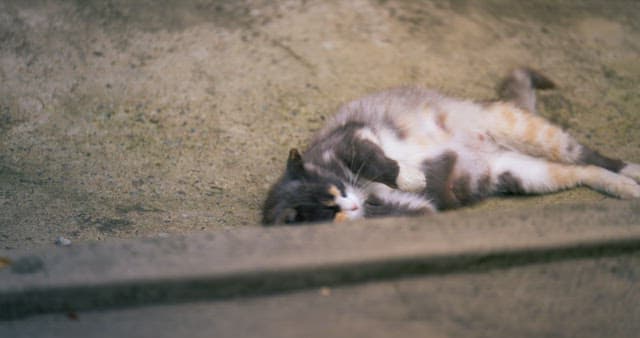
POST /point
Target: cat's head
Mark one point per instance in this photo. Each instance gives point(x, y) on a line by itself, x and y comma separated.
point(308, 195)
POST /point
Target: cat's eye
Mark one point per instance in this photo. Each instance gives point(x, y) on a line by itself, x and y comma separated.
point(372, 203)
point(329, 202)
point(337, 190)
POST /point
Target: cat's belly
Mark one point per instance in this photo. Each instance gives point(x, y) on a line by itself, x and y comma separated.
point(425, 134)
point(431, 154)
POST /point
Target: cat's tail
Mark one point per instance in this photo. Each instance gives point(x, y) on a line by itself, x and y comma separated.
point(520, 87)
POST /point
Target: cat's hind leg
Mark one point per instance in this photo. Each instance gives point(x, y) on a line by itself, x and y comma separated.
point(631, 170)
point(514, 128)
point(591, 157)
point(513, 172)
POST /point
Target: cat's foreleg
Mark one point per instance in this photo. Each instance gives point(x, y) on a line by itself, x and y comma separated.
point(518, 173)
point(366, 159)
point(411, 179)
point(514, 128)
point(384, 201)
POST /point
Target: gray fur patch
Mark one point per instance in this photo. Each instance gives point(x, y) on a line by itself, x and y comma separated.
point(509, 184)
point(592, 157)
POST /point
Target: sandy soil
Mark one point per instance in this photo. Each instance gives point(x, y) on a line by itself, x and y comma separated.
point(147, 118)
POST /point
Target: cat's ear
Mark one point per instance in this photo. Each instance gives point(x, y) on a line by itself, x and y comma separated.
point(286, 216)
point(295, 167)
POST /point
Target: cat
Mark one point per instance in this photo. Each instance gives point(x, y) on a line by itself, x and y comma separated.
point(411, 151)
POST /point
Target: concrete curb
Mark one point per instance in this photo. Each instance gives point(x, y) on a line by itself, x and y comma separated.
point(253, 261)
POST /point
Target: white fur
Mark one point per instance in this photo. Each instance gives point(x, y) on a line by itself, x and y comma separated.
point(352, 204)
point(410, 178)
point(407, 155)
point(631, 170)
point(534, 176)
point(393, 196)
point(367, 135)
point(465, 116)
point(327, 156)
point(532, 172)
point(411, 154)
point(612, 183)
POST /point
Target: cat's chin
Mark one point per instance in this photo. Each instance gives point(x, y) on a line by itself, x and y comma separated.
point(351, 205)
point(355, 214)
point(350, 215)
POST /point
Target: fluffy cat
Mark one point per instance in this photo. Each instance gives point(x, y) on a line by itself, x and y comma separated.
point(412, 151)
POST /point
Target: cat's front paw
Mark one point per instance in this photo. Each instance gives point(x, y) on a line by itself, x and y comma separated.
point(411, 179)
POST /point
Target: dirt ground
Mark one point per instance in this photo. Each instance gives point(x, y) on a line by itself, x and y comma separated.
point(149, 118)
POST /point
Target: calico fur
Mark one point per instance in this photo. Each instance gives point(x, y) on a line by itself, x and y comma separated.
point(412, 151)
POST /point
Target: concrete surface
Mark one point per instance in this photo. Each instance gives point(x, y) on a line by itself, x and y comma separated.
point(164, 122)
point(563, 273)
point(576, 298)
point(123, 119)
point(257, 261)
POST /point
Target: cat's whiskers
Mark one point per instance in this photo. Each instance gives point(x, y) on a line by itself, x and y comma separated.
point(353, 180)
point(368, 182)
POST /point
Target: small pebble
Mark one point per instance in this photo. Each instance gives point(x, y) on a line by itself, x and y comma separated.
point(163, 235)
point(4, 262)
point(63, 241)
point(325, 291)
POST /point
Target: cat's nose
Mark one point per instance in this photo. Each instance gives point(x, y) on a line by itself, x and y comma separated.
point(354, 207)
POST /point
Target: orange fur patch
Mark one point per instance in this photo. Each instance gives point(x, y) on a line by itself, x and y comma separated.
point(555, 152)
point(534, 124)
point(329, 203)
point(552, 143)
point(341, 217)
point(334, 191)
point(550, 133)
point(563, 176)
point(509, 118)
